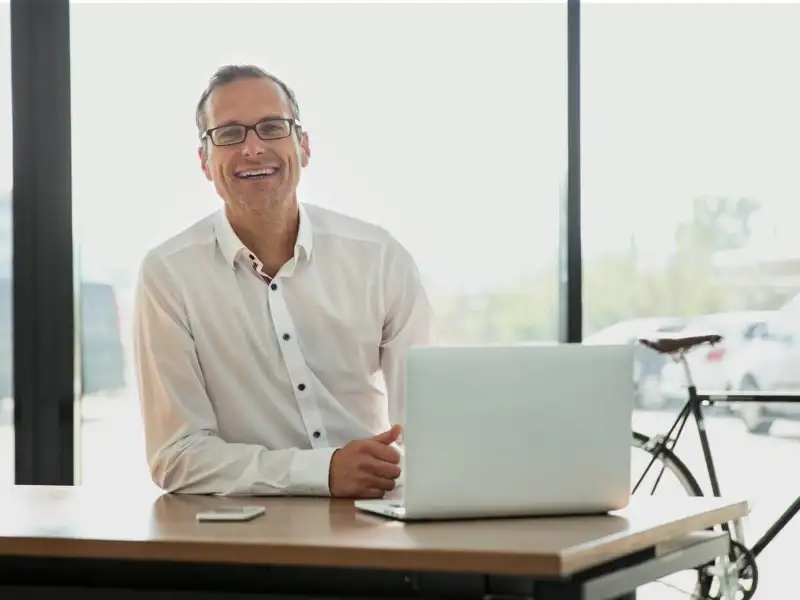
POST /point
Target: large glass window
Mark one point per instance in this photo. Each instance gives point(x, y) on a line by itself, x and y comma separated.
point(6, 266)
point(690, 155)
point(443, 123)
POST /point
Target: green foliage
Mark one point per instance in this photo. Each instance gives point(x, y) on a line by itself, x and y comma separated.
point(507, 316)
point(617, 286)
point(717, 223)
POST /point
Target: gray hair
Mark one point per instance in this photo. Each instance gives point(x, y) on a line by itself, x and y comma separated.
point(230, 73)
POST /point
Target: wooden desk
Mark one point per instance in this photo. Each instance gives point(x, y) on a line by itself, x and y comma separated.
point(74, 535)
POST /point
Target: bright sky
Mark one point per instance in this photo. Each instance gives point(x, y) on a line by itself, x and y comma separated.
point(443, 122)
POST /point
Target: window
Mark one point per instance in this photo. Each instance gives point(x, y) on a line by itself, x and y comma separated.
point(6, 267)
point(690, 130)
point(444, 123)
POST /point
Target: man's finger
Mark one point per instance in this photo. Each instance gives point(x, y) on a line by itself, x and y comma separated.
point(372, 493)
point(382, 468)
point(381, 483)
point(389, 436)
point(382, 452)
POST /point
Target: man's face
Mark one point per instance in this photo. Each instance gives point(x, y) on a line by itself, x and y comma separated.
point(247, 102)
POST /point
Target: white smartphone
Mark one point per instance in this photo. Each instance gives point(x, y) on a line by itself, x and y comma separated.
point(231, 513)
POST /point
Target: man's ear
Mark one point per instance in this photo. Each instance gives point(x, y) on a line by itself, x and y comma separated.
point(203, 156)
point(305, 150)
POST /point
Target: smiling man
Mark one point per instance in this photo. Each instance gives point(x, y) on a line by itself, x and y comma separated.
point(270, 336)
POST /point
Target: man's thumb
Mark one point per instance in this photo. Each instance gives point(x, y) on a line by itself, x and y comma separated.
point(390, 435)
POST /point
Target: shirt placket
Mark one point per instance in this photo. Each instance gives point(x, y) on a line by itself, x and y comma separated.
point(293, 359)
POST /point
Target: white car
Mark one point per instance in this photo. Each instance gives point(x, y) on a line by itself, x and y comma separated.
point(771, 363)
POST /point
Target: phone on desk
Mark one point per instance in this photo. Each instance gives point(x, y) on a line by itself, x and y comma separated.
point(231, 513)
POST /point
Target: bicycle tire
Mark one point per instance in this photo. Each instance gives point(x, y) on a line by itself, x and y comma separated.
point(671, 462)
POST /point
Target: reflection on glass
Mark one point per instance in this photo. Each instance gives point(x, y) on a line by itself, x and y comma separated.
point(690, 131)
point(456, 148)
point(6, 265)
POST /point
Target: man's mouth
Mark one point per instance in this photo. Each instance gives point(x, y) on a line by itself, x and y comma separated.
point(262, 173)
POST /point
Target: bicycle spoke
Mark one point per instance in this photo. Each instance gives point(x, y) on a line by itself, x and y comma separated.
point(682, 418)
point(670, 463)
point(661, 443)
point(647, 469)
point(688, 594)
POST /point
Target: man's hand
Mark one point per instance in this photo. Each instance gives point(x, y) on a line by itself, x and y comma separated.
point(366, 468)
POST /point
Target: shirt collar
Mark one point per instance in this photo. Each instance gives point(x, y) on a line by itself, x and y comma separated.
point(232, 247)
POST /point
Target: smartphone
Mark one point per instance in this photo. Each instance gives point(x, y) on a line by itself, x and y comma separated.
point(231, 513)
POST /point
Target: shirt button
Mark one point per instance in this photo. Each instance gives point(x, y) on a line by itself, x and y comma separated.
point(301, 387)
point(274, 286)
point(317, 434)
point(286, 336)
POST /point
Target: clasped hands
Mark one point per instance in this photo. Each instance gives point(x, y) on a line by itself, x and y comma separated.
point(366, 468)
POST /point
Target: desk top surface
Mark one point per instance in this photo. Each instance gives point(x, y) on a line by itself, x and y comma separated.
point(145, 524)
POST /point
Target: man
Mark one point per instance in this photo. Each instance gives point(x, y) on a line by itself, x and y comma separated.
point(265, 333)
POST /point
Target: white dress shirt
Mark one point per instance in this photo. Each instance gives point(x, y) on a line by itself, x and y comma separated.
point(248, 386)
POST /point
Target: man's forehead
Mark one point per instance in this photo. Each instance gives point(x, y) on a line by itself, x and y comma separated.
point(246, 99)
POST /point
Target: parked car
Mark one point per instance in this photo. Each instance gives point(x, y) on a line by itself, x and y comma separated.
point(771, 363)
point(714, 368)
point(648, 363)
point(102, 354)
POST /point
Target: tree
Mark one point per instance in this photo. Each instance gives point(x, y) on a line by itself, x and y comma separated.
point(717, 223)
point(519, 313)
point(617, 286)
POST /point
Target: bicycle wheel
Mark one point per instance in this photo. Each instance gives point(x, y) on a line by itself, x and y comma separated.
point(666, 461)
point(694, 583)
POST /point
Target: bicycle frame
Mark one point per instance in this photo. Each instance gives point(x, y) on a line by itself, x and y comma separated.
point(693, 407)
point(787, 515)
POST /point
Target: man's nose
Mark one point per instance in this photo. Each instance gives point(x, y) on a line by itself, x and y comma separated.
point(252, 144)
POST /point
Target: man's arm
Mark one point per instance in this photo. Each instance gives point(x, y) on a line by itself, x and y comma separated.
point(184, 449)
point(409, 322)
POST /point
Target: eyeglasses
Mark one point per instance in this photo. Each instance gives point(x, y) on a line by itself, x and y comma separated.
point(269, 129)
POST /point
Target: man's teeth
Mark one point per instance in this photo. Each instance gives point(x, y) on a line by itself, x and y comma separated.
point(259, 173)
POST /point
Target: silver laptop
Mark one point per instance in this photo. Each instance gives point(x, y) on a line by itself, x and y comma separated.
point(498, 431)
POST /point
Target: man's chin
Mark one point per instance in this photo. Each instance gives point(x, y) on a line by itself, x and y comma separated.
point(263, 203)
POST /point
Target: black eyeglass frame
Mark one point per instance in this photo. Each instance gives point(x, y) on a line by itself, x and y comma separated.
point(292, 123)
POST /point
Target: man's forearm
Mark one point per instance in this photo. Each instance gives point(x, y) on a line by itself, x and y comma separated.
point(203, 463)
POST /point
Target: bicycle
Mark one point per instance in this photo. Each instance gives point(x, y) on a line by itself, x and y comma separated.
point(741, 565)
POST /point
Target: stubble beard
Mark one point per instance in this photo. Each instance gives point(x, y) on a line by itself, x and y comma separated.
point(260, 203)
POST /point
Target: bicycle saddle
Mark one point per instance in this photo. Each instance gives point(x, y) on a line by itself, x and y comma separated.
point(671, 345)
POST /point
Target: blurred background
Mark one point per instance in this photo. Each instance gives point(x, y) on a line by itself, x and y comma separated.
point(446, 124)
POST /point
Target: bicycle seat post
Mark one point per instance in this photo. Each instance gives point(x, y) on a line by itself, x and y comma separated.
point(687, 372)
point(691, 388)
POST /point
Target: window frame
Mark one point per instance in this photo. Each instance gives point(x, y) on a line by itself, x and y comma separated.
point(43, 295)
point(44, 290)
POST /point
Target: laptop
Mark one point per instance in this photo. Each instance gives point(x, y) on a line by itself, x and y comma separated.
point(503, 431)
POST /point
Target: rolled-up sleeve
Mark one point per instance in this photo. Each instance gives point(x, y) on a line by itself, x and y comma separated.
point(184, 449)
point(409, 322)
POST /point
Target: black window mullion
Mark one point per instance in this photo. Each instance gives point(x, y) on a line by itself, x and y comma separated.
point(571, 263)
point(43, 296)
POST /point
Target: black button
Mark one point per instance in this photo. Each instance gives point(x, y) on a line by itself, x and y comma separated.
point(301, 387)
point(286, 336)
point(317, 434)
point(274, 286)
point(252, 257)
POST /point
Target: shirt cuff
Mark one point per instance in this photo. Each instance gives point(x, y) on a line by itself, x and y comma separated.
point(309, 474)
